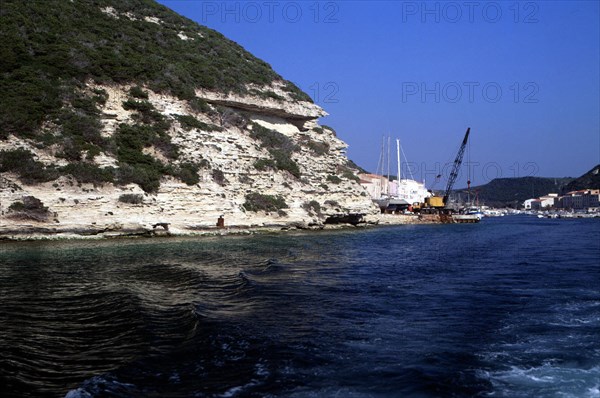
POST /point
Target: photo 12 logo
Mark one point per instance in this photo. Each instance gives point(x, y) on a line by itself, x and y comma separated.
point(469, 11)
point(471, 92)
point(482, 172)
point(324, 93)
point(270, 11)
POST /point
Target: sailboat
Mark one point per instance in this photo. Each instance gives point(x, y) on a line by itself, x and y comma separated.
point(383, 197)
point(402, 193)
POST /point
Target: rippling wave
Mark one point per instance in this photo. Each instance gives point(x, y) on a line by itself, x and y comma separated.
point(509, 307)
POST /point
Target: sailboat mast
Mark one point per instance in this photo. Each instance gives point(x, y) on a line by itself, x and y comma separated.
point(388, 159)
point(398, 155)
point(381, 157)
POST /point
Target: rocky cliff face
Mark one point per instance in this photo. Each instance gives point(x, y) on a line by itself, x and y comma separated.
point(231, 178)
point(123, 117)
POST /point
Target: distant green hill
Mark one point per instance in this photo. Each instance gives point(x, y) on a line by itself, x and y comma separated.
point(590, 180)
point(502, 192)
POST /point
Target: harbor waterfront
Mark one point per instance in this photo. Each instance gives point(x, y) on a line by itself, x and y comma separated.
point(509, 307)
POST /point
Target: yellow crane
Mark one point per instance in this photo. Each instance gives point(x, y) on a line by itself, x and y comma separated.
point(437, 203)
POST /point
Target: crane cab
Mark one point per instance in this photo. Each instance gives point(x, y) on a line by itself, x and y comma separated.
point(434, 201)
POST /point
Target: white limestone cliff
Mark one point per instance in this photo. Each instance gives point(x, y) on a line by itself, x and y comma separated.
point(85, 209)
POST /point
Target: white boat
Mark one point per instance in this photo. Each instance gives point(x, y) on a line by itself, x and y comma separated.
point(409, 190)
point(399, 194)
point(391, 203)
point(474, 211)
point(492, 213)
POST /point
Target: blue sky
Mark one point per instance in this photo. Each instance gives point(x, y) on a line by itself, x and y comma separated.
point(525, 76)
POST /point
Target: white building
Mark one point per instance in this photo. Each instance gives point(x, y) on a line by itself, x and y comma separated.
point(549, 200)
point(528, 203)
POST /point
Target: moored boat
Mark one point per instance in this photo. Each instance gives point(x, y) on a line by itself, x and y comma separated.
point(465, 218)
point(474, 211)
point(393, 196)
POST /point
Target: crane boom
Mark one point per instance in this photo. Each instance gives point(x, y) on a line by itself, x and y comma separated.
point(456, 167)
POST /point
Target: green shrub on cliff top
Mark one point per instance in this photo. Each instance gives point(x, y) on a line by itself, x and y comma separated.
point(89, 173)
point(264, 164)
point(187, 172)
point(271, 139)
point(259, 202)
point(279, 146)
point(138, 92)
point(317, 147)
point(131, 198)
point(189, 122)
point(334, 179)
point(30, 171)
point(312, 207)
point(30, 208)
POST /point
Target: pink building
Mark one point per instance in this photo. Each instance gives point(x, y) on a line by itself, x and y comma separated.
point(582, 199)
point(375, 185)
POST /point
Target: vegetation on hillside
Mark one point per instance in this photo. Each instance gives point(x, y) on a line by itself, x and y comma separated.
point(259, 202)
point(357, 167)
point(512, 192)
point(21, 161)
point(31, 208)
point(334, 179)
point(318, 148)
point(312, 207)
point(590, 180)
point(131, 198)
point(279, 146)
point(189, 122)
point(50, 50)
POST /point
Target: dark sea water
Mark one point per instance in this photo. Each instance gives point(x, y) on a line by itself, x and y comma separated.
point(509, 307)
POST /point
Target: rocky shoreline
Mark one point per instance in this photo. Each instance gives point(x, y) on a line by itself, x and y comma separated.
point(40, 233)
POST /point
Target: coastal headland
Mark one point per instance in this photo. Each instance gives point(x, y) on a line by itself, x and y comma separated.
point(89, 148)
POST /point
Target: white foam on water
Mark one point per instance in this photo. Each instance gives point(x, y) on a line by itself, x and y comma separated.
point(78, 393)
point(175, 378)
point(576, 314)
point(342, 392)
point(576, 321)
point(89, 388)
point(549, 351)
point(548, 380)
point(233, 391)
point(261, 370)
point(595, 391)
